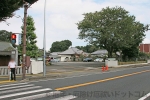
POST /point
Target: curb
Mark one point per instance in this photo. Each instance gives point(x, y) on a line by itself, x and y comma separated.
point(132, 65)
point(5, 82)
point(43, 77)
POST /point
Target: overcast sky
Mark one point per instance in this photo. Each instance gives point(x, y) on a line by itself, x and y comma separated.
point(62, 16)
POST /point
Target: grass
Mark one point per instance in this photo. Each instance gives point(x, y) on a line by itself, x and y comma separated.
point(131, 62)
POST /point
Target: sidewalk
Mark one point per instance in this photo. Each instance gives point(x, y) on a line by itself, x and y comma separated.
point(49, 74)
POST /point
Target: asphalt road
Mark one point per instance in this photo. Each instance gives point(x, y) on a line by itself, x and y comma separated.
point(78, 64)
point(71, 66)
point(129, 84)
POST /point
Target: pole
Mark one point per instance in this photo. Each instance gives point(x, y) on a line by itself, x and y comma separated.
point(24, 42)
point(44, 41)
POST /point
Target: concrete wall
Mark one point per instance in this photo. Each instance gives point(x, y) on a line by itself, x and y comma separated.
point(37, 67)
point(111, 63)
point(148, 61)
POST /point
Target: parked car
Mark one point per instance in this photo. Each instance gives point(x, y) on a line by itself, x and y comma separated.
point(55, 60)
point(98, 60)
point(87, 59)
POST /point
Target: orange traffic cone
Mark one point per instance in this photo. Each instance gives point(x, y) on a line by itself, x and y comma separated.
point(103, 68)
point(106, 68)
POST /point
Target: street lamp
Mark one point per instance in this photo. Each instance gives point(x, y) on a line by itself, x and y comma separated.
point(44, 41)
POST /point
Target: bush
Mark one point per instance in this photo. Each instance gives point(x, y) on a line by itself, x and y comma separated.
point(125, 63)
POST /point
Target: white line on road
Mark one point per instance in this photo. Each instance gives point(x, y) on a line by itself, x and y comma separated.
point(20, 89)
point(13, 84)
point(146, 96)
point(16, 87)
point(69, 97)
point(39, 96)
point(22, 93)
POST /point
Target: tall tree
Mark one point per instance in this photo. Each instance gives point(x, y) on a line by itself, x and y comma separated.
point(88, 48)
point(32, 49)
point(5, 35)
point(8, 7)
point(112, 29)
point(59, 46)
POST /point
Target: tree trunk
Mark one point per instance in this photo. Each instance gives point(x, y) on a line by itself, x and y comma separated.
point(109, 53)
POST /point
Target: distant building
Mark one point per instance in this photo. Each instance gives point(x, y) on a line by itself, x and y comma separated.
point(6, 52)
point(145, 48)
point(55, 55)
point(70, 54)
point(101, 52)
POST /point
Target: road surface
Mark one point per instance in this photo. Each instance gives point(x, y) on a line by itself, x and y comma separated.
point(129, 84)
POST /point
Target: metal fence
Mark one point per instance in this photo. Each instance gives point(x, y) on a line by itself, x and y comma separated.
point(4, 71)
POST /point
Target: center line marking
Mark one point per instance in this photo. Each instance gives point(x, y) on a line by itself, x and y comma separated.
point(99, 81)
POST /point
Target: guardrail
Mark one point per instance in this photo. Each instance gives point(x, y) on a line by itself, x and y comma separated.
point(4, 71)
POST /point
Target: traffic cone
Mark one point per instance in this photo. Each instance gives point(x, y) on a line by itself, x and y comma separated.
point(106, 68)
point(103, 68)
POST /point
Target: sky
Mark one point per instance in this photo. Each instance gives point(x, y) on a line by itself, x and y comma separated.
point(62, 16)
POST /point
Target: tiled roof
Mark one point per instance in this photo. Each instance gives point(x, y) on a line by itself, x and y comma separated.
point(71, 51)
point(54, 53)
point(99, 52)
point(6, 46)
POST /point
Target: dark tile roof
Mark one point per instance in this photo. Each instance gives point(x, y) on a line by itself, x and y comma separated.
point(6, 46)
point(98, 52)
point(71, 51)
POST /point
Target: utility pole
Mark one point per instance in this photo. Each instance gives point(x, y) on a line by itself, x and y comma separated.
point(24, 41)
point(27, 4)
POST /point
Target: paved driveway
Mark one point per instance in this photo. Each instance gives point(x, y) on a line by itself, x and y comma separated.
point(72, 66)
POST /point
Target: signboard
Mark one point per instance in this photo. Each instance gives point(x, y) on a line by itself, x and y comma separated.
point(19, 38)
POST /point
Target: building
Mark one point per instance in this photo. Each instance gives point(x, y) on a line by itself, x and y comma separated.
point(55, 55)
point(6, 52)
point(70, 54)
point(145, 48)
point(100, 53)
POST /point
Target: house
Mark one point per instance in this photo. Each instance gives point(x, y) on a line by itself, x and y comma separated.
point(55, 55)
point(70, 54)
point(6, 52)
point(100, 53)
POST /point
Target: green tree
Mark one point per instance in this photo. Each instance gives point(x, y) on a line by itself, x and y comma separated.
point(8, 7)
point(32, 49)
point(5, 35)
point(111, 29)
point(59, 46)
point(87, 48)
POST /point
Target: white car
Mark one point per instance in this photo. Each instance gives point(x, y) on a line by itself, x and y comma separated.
point(54, 60)
point(98, 60)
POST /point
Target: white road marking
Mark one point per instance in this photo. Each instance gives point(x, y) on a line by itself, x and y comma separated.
point(69, 97)
point(23, 93)
point(146, 96)
point(13, 84)
point(39, 96)
point(20, 89)
point(16, 87)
